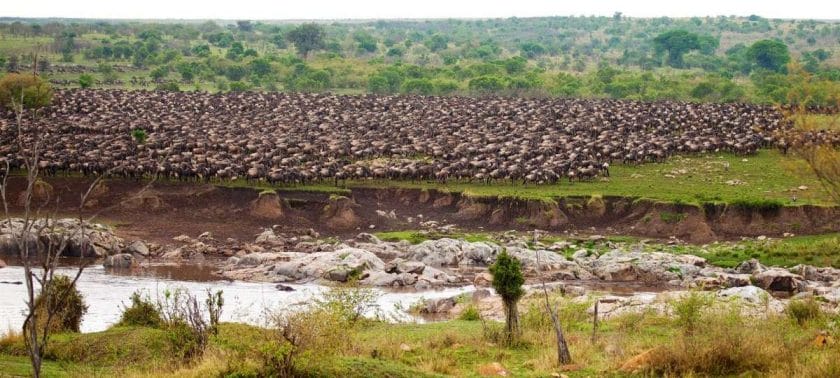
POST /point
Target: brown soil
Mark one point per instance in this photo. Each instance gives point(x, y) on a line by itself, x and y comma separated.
point(170, 209)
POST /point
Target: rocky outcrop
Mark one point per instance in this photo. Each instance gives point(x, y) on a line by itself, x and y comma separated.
point(445, 261)
point(90, 239)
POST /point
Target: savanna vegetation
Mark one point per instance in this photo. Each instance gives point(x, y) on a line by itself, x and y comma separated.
point(702, 337)
point(699, 59)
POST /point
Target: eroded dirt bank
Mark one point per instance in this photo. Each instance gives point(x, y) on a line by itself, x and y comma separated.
point(166, 210)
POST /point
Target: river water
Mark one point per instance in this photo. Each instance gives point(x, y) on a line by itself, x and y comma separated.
point(106, 294)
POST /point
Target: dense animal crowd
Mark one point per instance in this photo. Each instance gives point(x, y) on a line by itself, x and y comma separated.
point(299, 138)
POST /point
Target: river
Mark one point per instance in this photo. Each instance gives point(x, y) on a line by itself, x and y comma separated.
point(106, 293)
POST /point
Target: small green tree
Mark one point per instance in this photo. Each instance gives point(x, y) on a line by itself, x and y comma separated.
point(85, 81)
point(60, 306)
point(676, 43)
point(769, 54)
point(307, 38)
point(34, 91)
point(508, 280)
point(139, 135)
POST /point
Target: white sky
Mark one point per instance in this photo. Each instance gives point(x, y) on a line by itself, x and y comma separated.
point(380, 9)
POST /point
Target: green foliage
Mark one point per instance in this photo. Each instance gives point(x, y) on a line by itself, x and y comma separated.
point(21, 89)
point(139, 135)
point(804, 310)
point(507, 277)
point(85, 81)
point(769, 54)
point(307, 38)
point(60, 303)
point(142, 312)
point(470, 313)
point(676, 43)
point(688, 309)
point(487, 84)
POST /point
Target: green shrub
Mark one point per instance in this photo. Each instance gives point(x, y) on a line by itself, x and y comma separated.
point(688, 309)
point(142, 312)
point(470, 313)
point(64, 301)
point(804, 310)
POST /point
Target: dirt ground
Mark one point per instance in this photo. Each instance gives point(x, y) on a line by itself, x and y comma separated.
point(163, 210)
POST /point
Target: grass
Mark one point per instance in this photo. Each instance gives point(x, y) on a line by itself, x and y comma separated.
point(417, 237)
point(767, 179)
point(817, 250)
point(719, 342)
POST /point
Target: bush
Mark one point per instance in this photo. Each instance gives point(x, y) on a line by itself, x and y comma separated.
point(350, 303)
point(724, 345)
point(142, 312)
point(64, 301)
point(35, 92)
point(688, 309)
point(803, 311)
point(470, 313)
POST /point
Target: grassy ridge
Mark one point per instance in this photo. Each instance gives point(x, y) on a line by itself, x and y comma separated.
point(765, 179)
point(716, 341)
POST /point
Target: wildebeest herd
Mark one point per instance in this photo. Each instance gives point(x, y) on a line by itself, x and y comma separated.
point(303, 138)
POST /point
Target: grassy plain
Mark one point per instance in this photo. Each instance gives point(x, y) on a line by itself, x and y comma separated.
point(714, 341)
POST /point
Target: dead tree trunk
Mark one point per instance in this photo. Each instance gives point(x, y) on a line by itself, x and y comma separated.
point(564, 357)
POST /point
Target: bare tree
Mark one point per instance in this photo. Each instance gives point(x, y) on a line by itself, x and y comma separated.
point(39, 240)
point(804, 138)
point(564, 357)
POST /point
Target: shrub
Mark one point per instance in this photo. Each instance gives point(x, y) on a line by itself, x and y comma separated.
point(35, 92)
point(803, 311)
point(688, 309)
point(724, 345)
point(142, 312)
point(64, 301)
point(470, 313)
point(350, 302)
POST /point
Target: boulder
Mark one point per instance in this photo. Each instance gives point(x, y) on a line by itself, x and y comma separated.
point(483, 279)
point(438, 306)
point(452, 252)
point(317, 265)
point(138, 248)
point(777, 279)
point(119, 261)
point(2, 263)
point(751, 294)
point(616, 272)
point(751, 266)
point(368, 238)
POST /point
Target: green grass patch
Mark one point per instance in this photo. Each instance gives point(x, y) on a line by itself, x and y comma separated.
point(817, 250)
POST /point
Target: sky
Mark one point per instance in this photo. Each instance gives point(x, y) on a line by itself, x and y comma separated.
point(388, 9)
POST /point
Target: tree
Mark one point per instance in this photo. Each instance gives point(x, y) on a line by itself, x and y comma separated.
point(24, 90)
point(436, 43)
point(507, 281)
point(40, 260)
point(676, 43)
point(307, 38)
point(245, 26)
point(769, 54)
point(487, 84)
point(532, 50)
point(85, 81)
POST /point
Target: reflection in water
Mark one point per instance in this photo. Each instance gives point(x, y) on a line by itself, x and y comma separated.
point(107, 293)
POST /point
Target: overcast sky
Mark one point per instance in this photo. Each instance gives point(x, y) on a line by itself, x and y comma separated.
point(380, 9)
